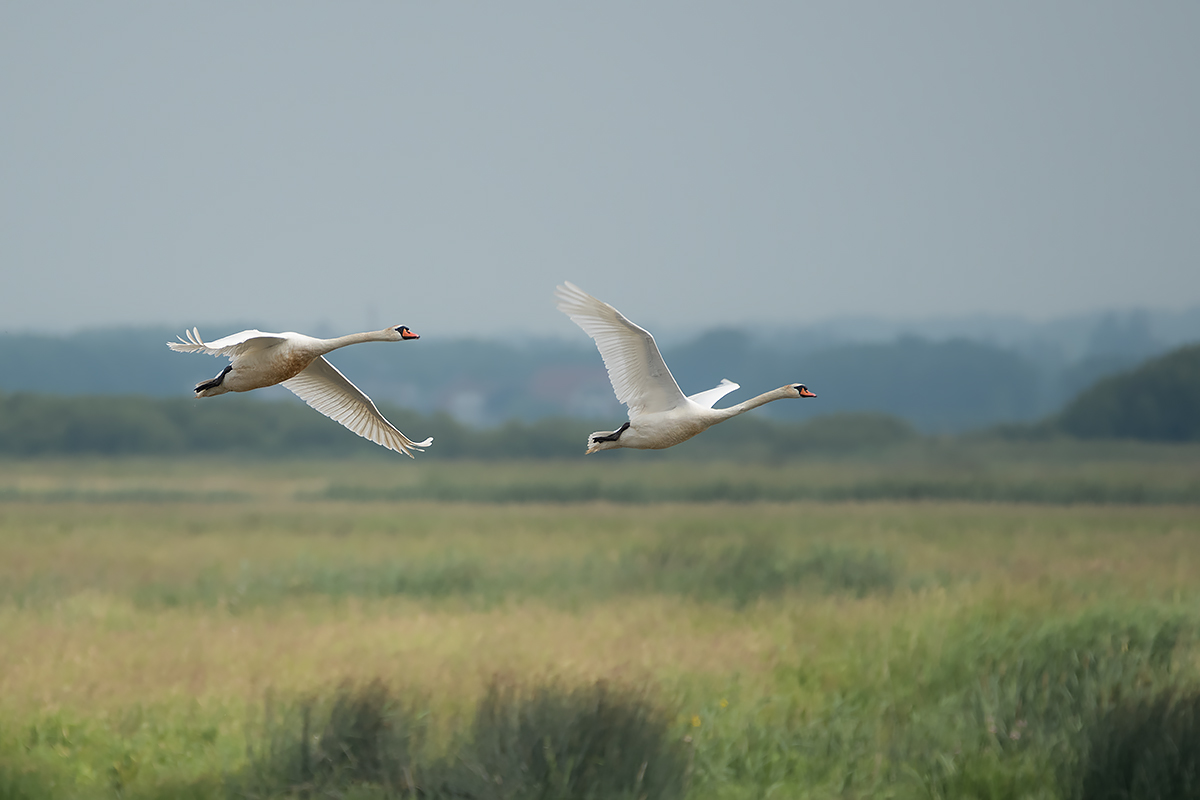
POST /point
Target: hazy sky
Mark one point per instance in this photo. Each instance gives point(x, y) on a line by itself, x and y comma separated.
point(443, 165)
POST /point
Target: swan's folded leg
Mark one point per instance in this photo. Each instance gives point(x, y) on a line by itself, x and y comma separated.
point(609, 437)
point(603, 440)
point(207, 386)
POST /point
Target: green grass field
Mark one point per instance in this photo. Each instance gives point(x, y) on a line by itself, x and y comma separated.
point(599, 628)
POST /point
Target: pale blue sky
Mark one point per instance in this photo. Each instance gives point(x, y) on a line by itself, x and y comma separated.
point(444, 165)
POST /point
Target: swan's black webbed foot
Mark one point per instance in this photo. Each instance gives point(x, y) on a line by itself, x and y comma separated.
point(612, 437)
point(217, 381)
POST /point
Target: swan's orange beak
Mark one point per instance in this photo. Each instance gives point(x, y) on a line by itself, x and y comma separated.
point(407, 334)
point(804, 392)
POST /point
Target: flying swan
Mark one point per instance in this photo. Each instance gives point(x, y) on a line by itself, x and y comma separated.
point(659, 414)
point(297, 361)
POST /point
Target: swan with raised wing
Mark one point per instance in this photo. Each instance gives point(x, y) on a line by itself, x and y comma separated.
point(659, 414)
point(298, 362)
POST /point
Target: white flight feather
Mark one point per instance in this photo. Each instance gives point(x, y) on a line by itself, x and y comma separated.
point(327, 390)
point(639, 376)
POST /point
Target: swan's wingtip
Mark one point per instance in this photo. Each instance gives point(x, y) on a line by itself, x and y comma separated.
point(408, 448)
point(189, 344)
point(566, 290)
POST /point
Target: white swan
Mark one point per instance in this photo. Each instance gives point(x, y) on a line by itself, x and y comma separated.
point(659, 413)
point(297, 361)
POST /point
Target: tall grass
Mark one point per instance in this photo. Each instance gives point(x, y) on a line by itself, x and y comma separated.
point(948, 483)
point(961, 469)
point(1143, 747)
point(362, 735)
point(735, 650)
point(739, 573)
point(1077, 707)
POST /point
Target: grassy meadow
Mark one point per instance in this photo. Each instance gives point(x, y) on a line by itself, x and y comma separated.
point(992, 620)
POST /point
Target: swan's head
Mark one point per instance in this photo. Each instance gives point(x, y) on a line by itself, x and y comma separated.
point(402, 332)
point(799, 390)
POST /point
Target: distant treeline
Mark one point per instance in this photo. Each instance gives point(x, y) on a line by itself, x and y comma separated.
point(46, 425)
point(936, 386)
point(1159, 401)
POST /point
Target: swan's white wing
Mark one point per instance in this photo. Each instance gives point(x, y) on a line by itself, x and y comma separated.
point(709, 397)
point(636, 369)
point(328, 391)
point(235, 344)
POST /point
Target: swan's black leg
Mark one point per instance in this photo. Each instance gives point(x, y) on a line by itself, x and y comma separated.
point(217, 381)
point(612, 437)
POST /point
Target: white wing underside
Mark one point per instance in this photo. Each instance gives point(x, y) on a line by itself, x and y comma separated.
point(328, 391)
point(709, 397)
point(636, 369)
point(231, 346)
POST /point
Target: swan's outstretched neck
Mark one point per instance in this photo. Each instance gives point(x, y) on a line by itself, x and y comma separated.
point(753, 402)
point(355, 338)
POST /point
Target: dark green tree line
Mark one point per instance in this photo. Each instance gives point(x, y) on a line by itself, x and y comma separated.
point(50, 425)
point(1158, 401)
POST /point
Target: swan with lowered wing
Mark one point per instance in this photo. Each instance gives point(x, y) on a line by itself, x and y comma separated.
point(258, 359)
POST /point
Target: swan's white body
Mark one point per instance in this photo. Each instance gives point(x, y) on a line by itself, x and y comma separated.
point(297, 361)
point(660, 415)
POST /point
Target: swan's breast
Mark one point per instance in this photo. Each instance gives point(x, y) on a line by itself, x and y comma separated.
point(666, 429)
point(267, 368)
point(291, 363)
